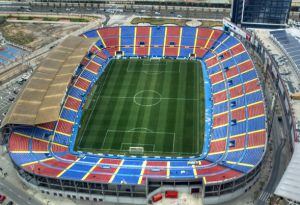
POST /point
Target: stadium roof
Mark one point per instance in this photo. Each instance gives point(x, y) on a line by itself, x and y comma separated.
point(40, 100)
point(289, 185)
point(289, 41)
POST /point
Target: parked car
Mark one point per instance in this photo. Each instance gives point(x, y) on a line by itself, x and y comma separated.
point(2, 198)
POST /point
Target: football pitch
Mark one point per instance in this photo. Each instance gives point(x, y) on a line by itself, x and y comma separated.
point(155, 105)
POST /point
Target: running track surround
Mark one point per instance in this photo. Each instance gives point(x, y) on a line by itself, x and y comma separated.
point(236, 142)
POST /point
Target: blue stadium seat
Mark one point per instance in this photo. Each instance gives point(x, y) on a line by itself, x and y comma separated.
point(22, 158)
point(219, 42)
point(127, 40)
point(231, 41)
point(99, 44)
point(214, 157)
point(77, 171)
point(61, 139)
point(239, 128)
point(187, 40)
point(241, 57)
point(249, 75)
point(234, 156)
point(98, 60)
point(256, 124)
point(75, 92)
point(180, 169)
point(253, 156)
point(35, 132)
point(208, 55)
point(220, 48)
point(219, 132)
point(218, 87)
point(69, 115)
point(91, 34)
point(229, 62)
point(236, 81)
point(239, 102)
point(129, 172)
point(214, 69)
point(254, 97)
point(157, 41)
point(88, 75)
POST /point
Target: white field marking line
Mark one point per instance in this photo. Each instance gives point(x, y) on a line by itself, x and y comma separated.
point(141, 128)
point(153, 91)
point(156, 72)
point(174, 137)
point(123, 97)
point(127, 143)
point(179, 153)
point(94, 106)
point(136, 145)
point(89, 148)
point(156, 63)
point(99, 149)
point(130, 131)
point(153, 146)
point(146, 131)
point(104, 139)
point(152, 71)
point(147, 105)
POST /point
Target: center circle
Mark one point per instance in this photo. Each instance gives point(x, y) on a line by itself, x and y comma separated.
point(147, 98)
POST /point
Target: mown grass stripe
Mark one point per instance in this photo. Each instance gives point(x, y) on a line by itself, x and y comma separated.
point(116, 109)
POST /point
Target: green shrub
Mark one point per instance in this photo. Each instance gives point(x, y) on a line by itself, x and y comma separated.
point(25, 18)
point(2, 19)
point(78, 20)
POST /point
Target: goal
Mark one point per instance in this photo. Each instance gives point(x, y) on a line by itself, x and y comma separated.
point(136, 150)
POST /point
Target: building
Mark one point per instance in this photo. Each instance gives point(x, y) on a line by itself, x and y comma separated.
point(260, 13)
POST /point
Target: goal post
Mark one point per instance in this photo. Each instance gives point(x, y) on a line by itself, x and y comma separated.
point(136, 150)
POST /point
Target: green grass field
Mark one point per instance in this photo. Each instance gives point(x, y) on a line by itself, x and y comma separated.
point(154, 104)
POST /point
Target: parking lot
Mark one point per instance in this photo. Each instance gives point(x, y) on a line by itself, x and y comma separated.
point(9, 92)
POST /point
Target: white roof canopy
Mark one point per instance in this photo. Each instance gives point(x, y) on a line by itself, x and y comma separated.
point(289, 185)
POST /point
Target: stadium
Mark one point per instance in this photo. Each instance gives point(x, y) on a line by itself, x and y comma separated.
point(143, 110)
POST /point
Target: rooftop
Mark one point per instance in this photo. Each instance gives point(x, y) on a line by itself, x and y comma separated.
point(288, 72)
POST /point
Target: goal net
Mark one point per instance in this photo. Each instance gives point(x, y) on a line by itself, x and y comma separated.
point(136, 150)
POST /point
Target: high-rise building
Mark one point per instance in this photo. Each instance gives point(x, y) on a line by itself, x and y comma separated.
point(260, 13)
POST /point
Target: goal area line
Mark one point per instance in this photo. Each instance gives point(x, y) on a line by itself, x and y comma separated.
point(141, 134)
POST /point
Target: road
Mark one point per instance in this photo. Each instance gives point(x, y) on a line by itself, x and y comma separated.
point(279, 143)
point(15, 194)
point(144, 10)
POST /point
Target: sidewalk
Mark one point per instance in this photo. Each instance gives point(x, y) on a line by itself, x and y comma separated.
point(13, 185)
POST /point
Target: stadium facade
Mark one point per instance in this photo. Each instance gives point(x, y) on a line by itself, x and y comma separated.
point(235, 131)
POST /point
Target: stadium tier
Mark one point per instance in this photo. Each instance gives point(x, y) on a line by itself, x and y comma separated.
point(236, 141)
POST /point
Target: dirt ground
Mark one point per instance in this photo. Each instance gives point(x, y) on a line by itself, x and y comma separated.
point(33, 35)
